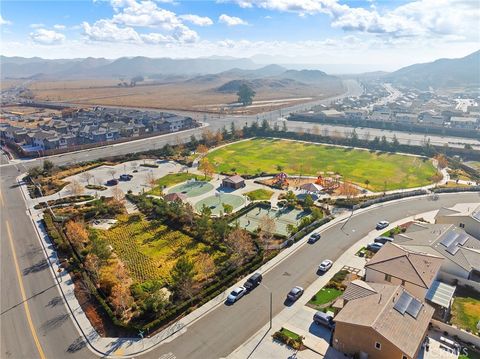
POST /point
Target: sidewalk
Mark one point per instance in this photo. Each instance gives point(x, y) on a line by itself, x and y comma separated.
point(298, 317)
point(130, 347)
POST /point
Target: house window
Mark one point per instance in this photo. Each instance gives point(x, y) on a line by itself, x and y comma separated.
point(403, 282)
point(462, 225)
point(404, 356)
point(388, 277)
point(378, 346)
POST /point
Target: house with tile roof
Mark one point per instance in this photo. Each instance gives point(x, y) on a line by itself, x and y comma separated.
point(463, 215)
point(381, 321)
point(461, 251)
point(413, 270)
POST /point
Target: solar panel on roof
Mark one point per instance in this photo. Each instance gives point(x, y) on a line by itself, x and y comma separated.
point(453, 249)
point(403, 302)
point(476, 215)
point(462, 238)
point(414, 307)
point(449, 239)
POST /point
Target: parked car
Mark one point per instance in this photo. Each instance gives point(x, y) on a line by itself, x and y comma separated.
point(382, 225)
point(125, 177)
point(314, 237)
point(295, 293)
point(236, 294)
point(325, 265)
point(324, 319)
point(253, 281)
point(112, 182)
point(374, 247)
point(383, 240)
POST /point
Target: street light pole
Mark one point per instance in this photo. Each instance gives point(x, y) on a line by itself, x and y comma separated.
point(271, 303)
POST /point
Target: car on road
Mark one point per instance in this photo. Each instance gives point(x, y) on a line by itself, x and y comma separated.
point(383, 239)
point(324, 319)
point(253, 281)
point(325, 265)
point(374, 247)
point(236, 294)
point(382, 225)
point(314, 237)
point(295, 293)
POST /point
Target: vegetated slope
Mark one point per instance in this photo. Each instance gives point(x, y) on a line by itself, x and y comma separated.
point(257, 84)
point(442, 73)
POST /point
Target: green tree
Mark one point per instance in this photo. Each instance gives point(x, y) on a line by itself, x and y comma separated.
point(308, 202)
point(182, 277)
point(48, 166)
point(227, 208)
point(245, 94)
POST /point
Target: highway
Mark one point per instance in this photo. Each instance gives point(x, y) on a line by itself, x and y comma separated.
point(35, 322)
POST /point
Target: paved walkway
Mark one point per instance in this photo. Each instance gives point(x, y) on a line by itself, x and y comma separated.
point(299, 317)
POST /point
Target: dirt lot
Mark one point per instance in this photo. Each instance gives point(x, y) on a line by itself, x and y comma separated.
point(35, 115)
point(197, 95)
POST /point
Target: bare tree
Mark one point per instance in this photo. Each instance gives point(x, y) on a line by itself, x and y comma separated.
point(118, 194)
point(240, 245)
point(266, 229)
point(150, 180)
point(86, 176)
point(76, 188)
point(112, 172)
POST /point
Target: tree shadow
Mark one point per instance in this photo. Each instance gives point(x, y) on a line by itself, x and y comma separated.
point(54, 301)
point(78, 344)
point(54, 322)
point(37, 267)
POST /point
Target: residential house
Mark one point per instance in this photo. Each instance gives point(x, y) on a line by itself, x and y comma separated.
point(406, 118)
point(461, 252)
point(381, 321)
point(45, 140)
point(233, 182)
point(396, 265)
point(465, 215)
point(355, 114)
point(178, 123)
point(469, 123)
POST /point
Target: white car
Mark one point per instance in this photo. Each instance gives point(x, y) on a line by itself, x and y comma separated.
point(236, 294)
point(382, 225)
point(325, 265)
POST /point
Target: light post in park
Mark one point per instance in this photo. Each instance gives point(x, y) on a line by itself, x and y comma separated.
point(271, 303)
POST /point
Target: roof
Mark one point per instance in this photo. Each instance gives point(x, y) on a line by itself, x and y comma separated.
point(463, 119)
point(234, 179)
point(175, 197)
point(429, 238)
point(377, 312)
point(357, 289)
point(461, 210)
point(311, 187)
point(411, 266)
point(440, 293)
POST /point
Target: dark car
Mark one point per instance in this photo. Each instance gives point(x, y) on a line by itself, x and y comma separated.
point(125, 177)
point(382, 225)
point(374, 247)
point(112, 182)
point(295, 293)
point(324, 319)
point(253, 281)
point(383, 240)
point(314, 237)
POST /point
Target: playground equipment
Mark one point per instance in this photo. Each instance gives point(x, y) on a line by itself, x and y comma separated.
point(281, 180)
point(330, 183)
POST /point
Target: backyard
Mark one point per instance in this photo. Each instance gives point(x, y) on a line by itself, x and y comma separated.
point(379, 170)
point(466, 309)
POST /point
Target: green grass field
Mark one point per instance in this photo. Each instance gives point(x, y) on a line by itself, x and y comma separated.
point(259, 195)
point(172, 179)
point(382, 170)
point(324, 296)
point(466, 311)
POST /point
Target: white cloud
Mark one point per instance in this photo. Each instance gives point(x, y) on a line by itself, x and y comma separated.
point(197, 20)
point(231, 20)
point(417, 18)
point(106, 30)
point(59, 27)
point(4, 22)
point(36, 26)
point(47, 37)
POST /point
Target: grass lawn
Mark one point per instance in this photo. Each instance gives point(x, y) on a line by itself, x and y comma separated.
point(324, 296)
point(290, 334)
point(259, 195)
point(172, 179)
point(268, 155)
point(471, 355)
point(466, 310)
point(474, 164)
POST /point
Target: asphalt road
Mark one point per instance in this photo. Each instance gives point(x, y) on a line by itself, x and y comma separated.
point(35, 322)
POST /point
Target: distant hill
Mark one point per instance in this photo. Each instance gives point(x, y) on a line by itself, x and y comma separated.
point(305, 76)
point(258, 84)
point(17, 67)
point(442, 73)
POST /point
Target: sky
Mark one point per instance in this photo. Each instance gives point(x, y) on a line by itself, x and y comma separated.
point(386, 34)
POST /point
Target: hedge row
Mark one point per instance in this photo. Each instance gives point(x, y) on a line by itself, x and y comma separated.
point(53, 232)
point(64, 200)
point(456, 189)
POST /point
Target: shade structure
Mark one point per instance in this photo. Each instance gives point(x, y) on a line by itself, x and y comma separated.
point(312, 187)
point(440, 293)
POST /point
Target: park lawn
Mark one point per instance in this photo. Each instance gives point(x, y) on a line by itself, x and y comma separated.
point(466, 311)
point(474, 164)
point(150, 249)
point(384, 171)
point(173, 179)
point(324, 296)
point(259, 195)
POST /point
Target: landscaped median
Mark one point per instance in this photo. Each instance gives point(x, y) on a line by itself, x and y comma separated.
point(289, 338)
